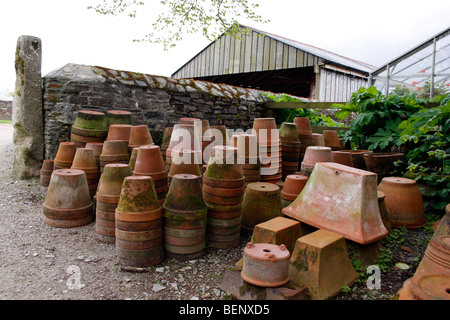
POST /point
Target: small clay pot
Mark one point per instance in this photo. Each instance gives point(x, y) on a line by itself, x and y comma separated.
point(382, 163)
point(404, 202)
point(114, 151)
point(293, 186)
point(314, 155)
point(139, 136)
point(110, 183)
point(265, 265)
point(289, 133)
point(119, 132)
point(64, 155)
point(68, 203)
point(149, 162)
point(266, 131)
point(92, 122)
point(318, 139)
point(138, 195)
point(185, 194)
point(261, 202)
point(331, 139)
point(119, 117)
point(303, 125)
point(85, 160)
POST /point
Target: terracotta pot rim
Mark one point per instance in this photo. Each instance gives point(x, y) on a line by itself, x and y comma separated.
point(72, 210)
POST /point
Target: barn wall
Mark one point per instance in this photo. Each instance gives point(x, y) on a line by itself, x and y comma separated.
point(338, 86)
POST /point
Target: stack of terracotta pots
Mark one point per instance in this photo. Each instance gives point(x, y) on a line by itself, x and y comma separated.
point(207, 143)
point(293, 186)
point(185, 216)
point(223, 190)
point(247, 145)
point(119, 117)
point(183, 162)
point(183, 138)
point(85, 160)
point(64, 155)
point(46, 172)
point(290, 148)
point(165, 141)
point(314, 155)
point(89, 126)
point(114, 151)
point(149, 162)
point(269, 145)
point(305, 134)
point(119, 132)
point(139, 136)
point(68, 203)
point(139, 224)
point(97, 147)
point(261, 202)
point(331, 139)
point(404, 202)
point(107, 198)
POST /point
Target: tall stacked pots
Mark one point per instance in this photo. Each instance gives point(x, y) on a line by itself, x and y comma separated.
point(247, 145)
point(114, 151)
point(89, 126)
point(305, 134)
point(185, 215)
point(290, 148)
point(107, 199)
point(85, 160)
point(139, 224)
point(223, 189)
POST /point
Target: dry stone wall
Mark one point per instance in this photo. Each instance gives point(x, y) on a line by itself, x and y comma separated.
point(156, 101)
point(5, 110)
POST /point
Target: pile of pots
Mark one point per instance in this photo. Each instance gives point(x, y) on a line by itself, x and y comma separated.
point(305, 135)
point(290, 148)
point(114, 151)
point(185, 218)
point(64, 155)
point(89, 126)
point(46, 172)
point(85, 160)
point(223, 190)
point(247, 155)
point(269, 146)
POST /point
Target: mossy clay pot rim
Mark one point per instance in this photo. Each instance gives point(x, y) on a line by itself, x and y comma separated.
point(142, 216)
point(223, 191)
point(226, 184)
point(69, 210)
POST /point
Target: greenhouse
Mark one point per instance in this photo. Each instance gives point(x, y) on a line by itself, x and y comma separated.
point(425, 67)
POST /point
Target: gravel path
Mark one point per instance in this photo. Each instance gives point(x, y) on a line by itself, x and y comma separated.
point(40, 262)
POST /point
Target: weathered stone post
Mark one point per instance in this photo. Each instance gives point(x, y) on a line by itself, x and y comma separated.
point(27, 115)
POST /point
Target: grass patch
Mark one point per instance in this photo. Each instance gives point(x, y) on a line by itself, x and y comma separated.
point(5, 121)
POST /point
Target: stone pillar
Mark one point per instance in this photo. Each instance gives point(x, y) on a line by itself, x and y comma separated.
point(27, 115)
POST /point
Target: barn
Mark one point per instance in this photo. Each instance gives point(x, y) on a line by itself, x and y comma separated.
point(261, 60)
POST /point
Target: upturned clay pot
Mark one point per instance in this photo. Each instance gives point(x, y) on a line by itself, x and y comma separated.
point(265, 265)
point(119, 132)
point(68, 203)
point(261, 202)
point(92, 121)
point(149, 162)
point(110, 183)
point(404, 202)
point(223, 164)
point(137, 196)
point(114, 151)
point(382, 163)
point(183, 137)
point(97, 148)
point(185, 194)
point(85, 160)
point(289, 133)
point(185, 162)
point(318, 139)
point(266, 131)
point(331, 139)
point(64, 155)
point(303, 125)
point(139, 136)
point(46, 172)
point(313, 155)
point(119, 117)
point(355, 157)
point(293, 186)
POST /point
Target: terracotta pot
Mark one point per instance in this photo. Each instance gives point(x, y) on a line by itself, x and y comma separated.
point(137, 195)
point(317, 154)
point(265, 265)
point(68, 203)
point(303, 125)
point(223, 165)
point(223, 130)
point(383, 211)
point(133, 157)
point(119, 132)
point(110, 183)
point(166, 138)
point(183, 138)
point(186, 162)
point(247, 145)
point(266, 131)
point(289, 133)
point(139, 136)
point(341, 199)
point(261, 202)
point(97, 147)
point(114, 151)
point(357, 157)
point(92, 121)
point(64, 155)
point(382, 163)
point(119, 117)
point(318, 139)
point(185, 194)
point(46, 172)
point(293, 186)
point(85, 160)
point(404, 202)
point(149, 162)
point(344, 158)
point(331, 139)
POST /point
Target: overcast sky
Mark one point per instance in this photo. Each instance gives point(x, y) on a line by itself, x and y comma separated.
point(371, 31)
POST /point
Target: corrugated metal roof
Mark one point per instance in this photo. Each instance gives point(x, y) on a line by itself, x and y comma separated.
point(319, 52)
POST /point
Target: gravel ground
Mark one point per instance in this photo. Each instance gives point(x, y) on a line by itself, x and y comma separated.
point(39, 262)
